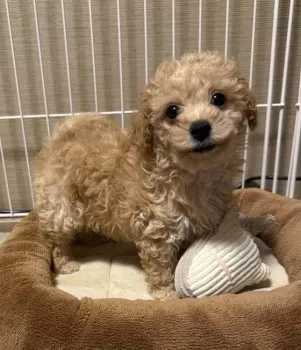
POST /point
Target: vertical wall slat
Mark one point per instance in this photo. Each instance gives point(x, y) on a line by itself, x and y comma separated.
point(270, 95)
point(120, 64)
point(227, 28)
point(6, 179)
point(145, 41)
point(67, 58)
point(295, 148)
point(93, 56)
point(283, 95)
point(244, 170)
point(200, 26)
point(173, 30)
point(41, 66)
point(19, 100)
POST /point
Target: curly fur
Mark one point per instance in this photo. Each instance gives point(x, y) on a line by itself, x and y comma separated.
point(147, 186)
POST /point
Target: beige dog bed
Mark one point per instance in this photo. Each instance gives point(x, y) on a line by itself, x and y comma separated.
point(36, 315)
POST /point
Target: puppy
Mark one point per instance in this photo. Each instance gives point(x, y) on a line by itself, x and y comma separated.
point(162, 184)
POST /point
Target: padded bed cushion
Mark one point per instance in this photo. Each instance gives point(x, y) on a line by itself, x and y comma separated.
point(36, 315)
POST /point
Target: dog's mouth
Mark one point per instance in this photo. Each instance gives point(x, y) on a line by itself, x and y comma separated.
point(208, 147)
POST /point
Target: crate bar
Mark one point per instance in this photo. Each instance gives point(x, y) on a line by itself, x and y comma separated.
point(58, 115)
point(283, 95)
point(265, 105)
point(93, 55)
point(295, 148)
point(145, 41)
point(227, 28)
point(19, 99)
point(41, 66)
point(295, 155)
point(200, 25)
point(173, 30)
point(120, 64)
point(67, 58)
point(13, 215)
point(6, 179)
point(244, 171)
point(253, 44)
point(288, 185)
point(270, 95)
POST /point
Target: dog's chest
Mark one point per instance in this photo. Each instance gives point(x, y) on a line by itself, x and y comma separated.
point(201, 207)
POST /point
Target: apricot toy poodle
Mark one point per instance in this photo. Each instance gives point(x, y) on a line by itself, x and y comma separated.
point(164, 183)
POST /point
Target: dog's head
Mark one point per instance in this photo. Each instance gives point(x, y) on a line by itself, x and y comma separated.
point(196, 109)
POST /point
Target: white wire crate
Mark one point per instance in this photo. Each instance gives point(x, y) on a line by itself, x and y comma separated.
point(116, 58)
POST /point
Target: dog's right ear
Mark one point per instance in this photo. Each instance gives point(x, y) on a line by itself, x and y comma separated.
point(142, 128)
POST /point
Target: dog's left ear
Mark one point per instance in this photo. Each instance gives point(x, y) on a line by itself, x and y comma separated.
point(250, 112)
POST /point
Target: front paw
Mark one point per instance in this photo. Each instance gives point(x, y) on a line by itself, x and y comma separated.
point(163, 293)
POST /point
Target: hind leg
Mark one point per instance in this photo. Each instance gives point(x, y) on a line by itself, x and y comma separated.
point(58, 224)
point(59, 244)
point(63, 261)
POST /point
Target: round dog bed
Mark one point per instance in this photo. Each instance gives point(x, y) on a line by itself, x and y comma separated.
point(36, 315)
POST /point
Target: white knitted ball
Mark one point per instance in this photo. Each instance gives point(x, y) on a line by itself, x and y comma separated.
point(223, 262)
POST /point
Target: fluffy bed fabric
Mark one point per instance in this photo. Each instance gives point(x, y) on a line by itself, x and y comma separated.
point(36, 315)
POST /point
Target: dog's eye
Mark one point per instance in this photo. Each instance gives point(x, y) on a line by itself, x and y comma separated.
point(173, 111)
point(218, 99)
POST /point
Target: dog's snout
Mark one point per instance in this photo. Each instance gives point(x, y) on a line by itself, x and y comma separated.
point(200, 130)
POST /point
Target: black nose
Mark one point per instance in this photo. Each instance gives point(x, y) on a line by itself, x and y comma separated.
point(200, 130)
